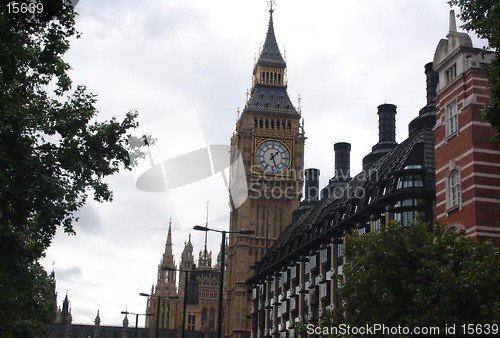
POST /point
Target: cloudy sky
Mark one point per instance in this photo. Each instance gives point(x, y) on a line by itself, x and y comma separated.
point(185, 66)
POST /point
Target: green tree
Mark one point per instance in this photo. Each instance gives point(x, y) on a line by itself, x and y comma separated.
point(483, 17)
point(53, 153)
point(416, 276)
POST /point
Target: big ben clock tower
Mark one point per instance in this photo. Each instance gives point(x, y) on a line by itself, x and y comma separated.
point(270, 140)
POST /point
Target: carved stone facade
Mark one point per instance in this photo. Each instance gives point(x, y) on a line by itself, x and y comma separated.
point(269, 138)
point(198, 286)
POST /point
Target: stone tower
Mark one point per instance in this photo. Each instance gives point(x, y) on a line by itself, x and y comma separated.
point(269, 139)
point(165, 291)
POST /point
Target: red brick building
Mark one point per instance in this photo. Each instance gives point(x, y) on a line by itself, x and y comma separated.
point(467, 163)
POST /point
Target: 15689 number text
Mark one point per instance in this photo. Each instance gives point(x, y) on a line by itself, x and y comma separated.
point(16, 7)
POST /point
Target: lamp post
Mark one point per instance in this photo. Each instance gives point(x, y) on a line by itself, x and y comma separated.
point(157, 308)
point(184, 302)
point(136, 318)
point(222, 267)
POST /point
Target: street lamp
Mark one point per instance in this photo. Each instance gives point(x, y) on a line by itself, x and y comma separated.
point(157, 308)
point(184, 302)
point(136, 318)
point(222, 263)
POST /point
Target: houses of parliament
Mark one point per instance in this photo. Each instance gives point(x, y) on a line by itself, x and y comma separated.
point(283, 274)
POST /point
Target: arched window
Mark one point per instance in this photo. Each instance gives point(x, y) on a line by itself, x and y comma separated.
point(457, 228)
point(454, 190)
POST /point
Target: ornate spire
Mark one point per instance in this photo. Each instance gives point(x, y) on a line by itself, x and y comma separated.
point(268, 93)
point(169, 236)
point(97, 318)
point(168, 257)
point(187, 258)
point(166, 277)
point(270, 54)
point(97, 326)
point(125, 322)
point(65, 308)
point(205, 258)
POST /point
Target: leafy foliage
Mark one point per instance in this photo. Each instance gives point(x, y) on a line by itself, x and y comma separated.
point(416, 276)
point(52, 153)
point(483, 17)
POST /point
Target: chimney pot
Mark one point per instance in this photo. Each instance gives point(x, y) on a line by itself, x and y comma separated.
point(342, 159)
point(387, 123)
point(312, 185)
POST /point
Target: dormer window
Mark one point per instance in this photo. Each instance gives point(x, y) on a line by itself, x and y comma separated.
point(409, 181)
point(451, 73)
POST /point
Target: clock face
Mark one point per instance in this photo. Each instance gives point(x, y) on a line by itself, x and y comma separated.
point(272, 157)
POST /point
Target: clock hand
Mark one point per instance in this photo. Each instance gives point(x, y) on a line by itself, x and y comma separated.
point(272, 158)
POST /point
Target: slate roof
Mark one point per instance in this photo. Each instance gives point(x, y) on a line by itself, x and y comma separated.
point(270, 54)
point(266, 99)
point(270, 99)
point(333, 215)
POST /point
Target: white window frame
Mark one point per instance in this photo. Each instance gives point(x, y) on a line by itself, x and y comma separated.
point(452, 118)
point(454, 189)
point(451, 73)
